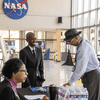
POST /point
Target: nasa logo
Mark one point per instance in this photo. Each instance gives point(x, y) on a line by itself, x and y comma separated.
point(15, 9)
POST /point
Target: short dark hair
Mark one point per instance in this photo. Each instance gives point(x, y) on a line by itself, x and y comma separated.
point(12, 65)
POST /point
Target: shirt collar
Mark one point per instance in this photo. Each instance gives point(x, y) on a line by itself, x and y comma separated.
point(32, 48)
point(12, 83)
point(79, 42)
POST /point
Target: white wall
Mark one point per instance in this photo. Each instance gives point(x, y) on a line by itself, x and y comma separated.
point(42, 14)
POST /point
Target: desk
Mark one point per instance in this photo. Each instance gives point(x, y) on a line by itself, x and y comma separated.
point(27, 91)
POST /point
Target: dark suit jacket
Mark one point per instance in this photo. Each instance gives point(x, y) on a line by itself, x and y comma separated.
point(28, 59)
point(6, 91)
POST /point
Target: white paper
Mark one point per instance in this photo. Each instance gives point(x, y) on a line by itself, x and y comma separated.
point(32, 97)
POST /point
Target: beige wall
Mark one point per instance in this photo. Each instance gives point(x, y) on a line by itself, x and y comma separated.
point(42, 14)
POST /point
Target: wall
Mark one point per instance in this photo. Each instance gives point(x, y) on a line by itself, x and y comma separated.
point(42, 14)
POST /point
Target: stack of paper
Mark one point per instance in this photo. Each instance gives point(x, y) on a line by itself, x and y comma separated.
point(32, 97)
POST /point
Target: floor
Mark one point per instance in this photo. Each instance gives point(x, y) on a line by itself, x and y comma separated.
point(55, 73)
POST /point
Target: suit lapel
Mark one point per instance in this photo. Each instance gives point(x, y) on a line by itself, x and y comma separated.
point(37, 56)
point(30, 54)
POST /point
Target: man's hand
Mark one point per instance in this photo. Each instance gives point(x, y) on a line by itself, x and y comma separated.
point(82, 76)
point(67, 84)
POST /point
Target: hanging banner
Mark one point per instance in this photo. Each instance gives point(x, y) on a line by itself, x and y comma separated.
point(15, 9)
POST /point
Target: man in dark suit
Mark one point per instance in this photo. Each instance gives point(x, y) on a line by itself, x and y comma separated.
point(32, 58)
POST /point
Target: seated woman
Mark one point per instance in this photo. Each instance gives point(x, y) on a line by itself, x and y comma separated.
point(14, 71)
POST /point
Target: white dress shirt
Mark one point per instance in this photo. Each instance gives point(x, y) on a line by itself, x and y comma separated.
point(32, 49)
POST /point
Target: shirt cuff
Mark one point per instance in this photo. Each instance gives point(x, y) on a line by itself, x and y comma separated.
point(70, 82)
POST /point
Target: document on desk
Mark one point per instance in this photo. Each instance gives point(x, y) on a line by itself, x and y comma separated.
point(32, 97)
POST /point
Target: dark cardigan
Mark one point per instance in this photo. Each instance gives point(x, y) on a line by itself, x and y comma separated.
point(6, 91)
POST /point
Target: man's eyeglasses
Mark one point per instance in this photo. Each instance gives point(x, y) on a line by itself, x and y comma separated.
point(23, 71)
point(69, 42)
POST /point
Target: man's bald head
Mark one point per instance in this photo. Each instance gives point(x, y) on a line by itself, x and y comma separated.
point(30, 38)
point(29, 34)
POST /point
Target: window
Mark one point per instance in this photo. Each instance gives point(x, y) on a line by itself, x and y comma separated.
point(86, 5)
point(92, 36)
point(86, 34)
point(98, 40)
point(98, 3)
point(80, 30)
point(99, 33)
point(4, 34)
point(92, 16)
point(17, 45)
point(74, 6)
point(80, 6)
point(39, 35)
point(80, 21)
point(63, 34)
point(74, 21)
point(99, 47)
point(63, 45)
point(27, 32)
point(99, 16)
point(93, 3)
point(86, 19)
point(86, 15)
point(14, 34)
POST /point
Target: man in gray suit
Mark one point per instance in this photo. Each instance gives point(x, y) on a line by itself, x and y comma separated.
point(32, 58)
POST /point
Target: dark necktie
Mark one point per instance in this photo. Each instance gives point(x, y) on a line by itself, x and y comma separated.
point(34, 56)
point(33, 53)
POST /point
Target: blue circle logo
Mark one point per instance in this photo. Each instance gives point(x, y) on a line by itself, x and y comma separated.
point(15, 9)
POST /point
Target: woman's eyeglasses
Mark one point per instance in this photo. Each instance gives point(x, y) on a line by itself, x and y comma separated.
point(23, 71)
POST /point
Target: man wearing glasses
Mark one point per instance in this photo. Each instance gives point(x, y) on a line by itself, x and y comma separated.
point(86, 65)
point(32, 58)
